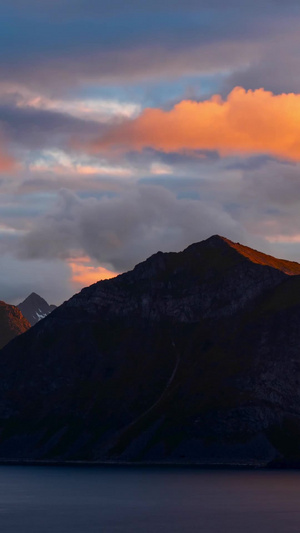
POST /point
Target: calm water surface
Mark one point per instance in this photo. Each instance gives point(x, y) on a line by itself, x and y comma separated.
point(129, 500)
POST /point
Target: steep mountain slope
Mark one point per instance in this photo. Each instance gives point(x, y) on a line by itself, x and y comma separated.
point(34, 308)
point(192, 356)
point(12, 323)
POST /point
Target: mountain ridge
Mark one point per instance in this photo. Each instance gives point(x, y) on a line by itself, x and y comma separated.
point(205, 262)
point(286, 266)
point(190, 357)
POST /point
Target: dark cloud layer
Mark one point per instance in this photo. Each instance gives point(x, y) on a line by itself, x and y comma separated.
point(257, 204)
point(254, 206)
point(122, 231)
point(34, 128)
point(88, 7)
point(54, 44)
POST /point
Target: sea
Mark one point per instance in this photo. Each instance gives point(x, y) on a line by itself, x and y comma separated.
point(115, 499)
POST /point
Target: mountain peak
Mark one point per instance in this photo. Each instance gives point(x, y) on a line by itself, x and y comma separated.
point(191, 356)
point(219, 242)
point(214, 240)
point(34, 308)
point(34, 297)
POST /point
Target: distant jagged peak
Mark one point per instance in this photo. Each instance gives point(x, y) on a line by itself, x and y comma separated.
point(37, 299)
point(34, 297)
point(34, 308)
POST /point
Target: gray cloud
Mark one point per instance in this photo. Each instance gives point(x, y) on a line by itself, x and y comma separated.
point(275, 184)
point(113, 41)
point(275, 69)
point(92, 186)
point(124, 230)
point(39, 129)
point(249, 203)
point(90, 7)
point(18, 279)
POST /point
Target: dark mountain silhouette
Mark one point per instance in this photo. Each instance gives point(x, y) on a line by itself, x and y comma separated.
point(34, 308)
point(12, 323)
point(190, 357)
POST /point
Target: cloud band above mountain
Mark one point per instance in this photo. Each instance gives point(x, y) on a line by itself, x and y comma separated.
point(246, 122)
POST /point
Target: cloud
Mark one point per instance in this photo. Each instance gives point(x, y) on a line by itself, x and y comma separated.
point(276, 67)
point(97, 44)
point(33, 121)
point(285, 238)
point(7, 163)
point(18, 279)
point(256, 203)
point(37, 129)
point(59, 163)
point(120, 231)
point(247, 122)
point(92, 109)
point(69, 69)
point(94, 41)
point(84, 272)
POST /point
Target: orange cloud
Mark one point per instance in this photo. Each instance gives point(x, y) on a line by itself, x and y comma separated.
point(246, 122)
point(7, 163)
point(294, 239)
point(84, 274)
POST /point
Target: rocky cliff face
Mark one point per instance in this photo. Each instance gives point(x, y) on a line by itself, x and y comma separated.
point(12, 323)
point(190, 357)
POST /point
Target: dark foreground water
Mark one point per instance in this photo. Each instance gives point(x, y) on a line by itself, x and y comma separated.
point(121, 499)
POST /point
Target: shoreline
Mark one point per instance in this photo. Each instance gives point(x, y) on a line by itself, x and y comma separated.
point(139, 464)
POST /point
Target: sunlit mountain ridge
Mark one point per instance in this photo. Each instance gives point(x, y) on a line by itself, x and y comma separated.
point(191, 357)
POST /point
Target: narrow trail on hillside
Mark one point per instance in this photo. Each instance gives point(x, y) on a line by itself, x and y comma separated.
point(163, 394)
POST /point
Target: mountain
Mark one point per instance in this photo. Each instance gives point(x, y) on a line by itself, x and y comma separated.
point(34, 308)
point(12, 323)
point(190, 357)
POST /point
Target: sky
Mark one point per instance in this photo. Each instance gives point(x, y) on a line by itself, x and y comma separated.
point(129, 127)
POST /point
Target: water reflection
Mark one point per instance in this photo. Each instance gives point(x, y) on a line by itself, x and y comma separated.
point(111, 499)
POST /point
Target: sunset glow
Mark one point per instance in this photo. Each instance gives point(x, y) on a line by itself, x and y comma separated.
point(246, 122)
point(132, 127)
point(7, 163)
point(83, 273)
